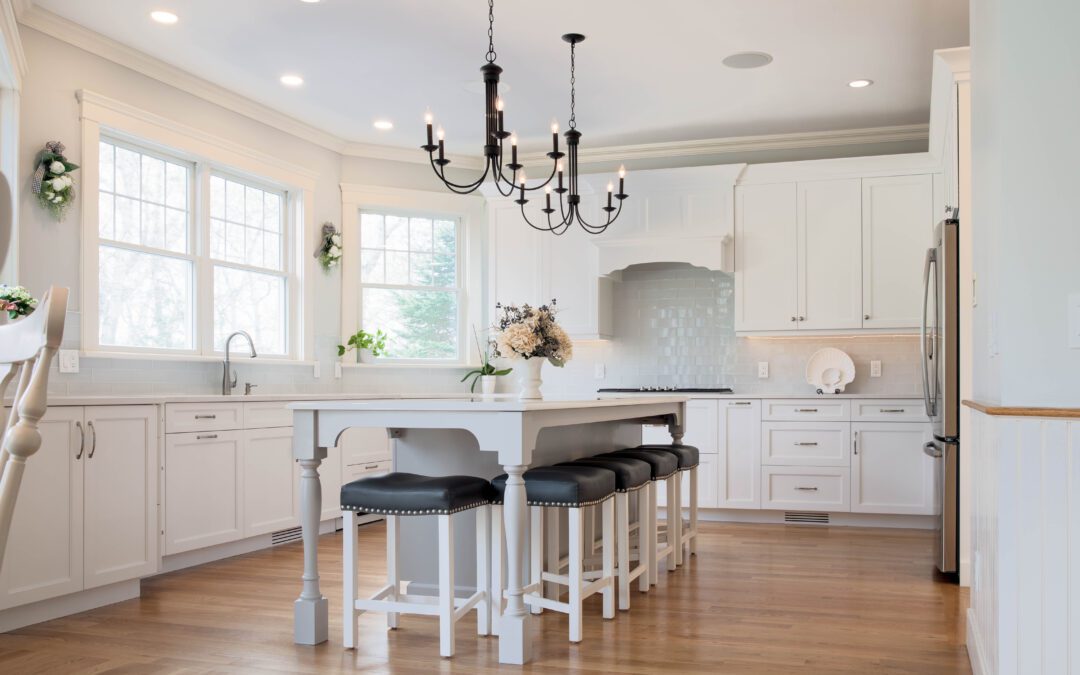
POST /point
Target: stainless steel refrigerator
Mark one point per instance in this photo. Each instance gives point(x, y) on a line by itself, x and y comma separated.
point(940, 347)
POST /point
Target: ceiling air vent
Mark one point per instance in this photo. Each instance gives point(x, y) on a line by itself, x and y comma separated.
point(285, 536)
point(806, 518)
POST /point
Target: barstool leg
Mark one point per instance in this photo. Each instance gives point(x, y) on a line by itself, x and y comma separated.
point(483, 569)
point(552, 551)
point(607, 532)
point(577, 555)
point(393, 577)
point(498, 564)
point(446, 586)
point(653, 537)
point(536, 553)
point(674, 519)
point(644, 557)
point(349, 563)
point(693, 510)
point(622, 539)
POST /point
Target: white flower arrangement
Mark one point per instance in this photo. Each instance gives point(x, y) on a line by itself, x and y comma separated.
point(329, 251)
point(53, 184)
point(16, 301)
point(528, 332)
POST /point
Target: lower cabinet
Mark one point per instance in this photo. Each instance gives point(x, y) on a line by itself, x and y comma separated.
point(707, 483)
point(889, 471)
point(271, 488)
point(86, 514)
point(805, 488)
point(203, 496)
point(739, 454)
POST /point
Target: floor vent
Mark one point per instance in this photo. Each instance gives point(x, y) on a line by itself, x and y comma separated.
point(285, 536)
point(806, 518)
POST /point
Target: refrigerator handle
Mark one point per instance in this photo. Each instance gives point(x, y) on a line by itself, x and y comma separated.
point(932, 450)
point(931, 258)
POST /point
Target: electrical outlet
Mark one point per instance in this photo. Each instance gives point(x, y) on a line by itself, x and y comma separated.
point(69, 360)
point(763, 369)
point(875, 369)
point(316, 370)
point(337, 370)
point(599, 371)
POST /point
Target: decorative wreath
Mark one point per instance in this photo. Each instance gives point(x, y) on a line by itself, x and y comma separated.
point(53, 184)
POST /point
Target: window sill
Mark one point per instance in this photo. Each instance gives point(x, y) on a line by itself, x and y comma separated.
point(193, 358)
point(410, 365)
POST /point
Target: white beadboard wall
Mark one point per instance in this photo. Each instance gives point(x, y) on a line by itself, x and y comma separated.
point(1024, 617)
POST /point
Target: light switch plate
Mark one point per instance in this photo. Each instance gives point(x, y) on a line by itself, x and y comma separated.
point(1074, 320)
point(875, 369)
point(316, 370)
point(69, 360)
point(337, 370)
point(763, 370)
point(599, 371)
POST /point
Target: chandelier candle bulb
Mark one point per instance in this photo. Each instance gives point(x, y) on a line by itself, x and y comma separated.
point(513, 148)
point(547, 195)
point(499, 110)
point(622, 177)
point(554, 137)
point(428, 119)
point(610, 188)
point(442, 135)
point(561, 188)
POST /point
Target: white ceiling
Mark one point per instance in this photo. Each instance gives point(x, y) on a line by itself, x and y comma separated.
point(649, 71)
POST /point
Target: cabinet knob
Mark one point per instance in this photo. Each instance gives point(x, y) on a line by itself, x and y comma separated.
point(794, 319)
point(866, 317)
point(802, 318)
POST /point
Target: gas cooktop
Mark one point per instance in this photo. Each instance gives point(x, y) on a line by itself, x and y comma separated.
point(664, 389)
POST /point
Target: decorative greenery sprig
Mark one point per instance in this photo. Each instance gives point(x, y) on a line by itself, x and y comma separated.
point(329, 251)
point(53, 184)
point(486, 368)
point(16, 301)
point(362, 339)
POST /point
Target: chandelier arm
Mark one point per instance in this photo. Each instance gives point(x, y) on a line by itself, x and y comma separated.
point(541, 228)
point(597, 229)
point(440, 172)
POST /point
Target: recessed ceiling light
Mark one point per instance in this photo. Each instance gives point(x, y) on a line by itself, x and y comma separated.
point(310, 2)
point(859, 84)
point(292, 80)
point(161, 16)
point(381, 125)
point(744, 60)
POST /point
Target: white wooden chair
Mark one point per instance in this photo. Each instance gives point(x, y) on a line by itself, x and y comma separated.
point(27, 348)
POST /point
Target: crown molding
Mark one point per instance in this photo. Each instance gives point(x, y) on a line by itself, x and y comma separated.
point(12, 58)
point(395, 153)
point(72, 33)
point(720, 146)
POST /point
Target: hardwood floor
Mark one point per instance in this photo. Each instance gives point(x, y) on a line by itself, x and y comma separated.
point(756, 599)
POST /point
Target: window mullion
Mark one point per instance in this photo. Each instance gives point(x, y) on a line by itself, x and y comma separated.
point(204, 287)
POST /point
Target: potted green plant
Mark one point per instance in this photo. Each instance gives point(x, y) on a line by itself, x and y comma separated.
point(368, 346)
point(487, 372)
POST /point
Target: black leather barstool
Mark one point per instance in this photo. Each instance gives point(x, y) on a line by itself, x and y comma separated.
point(664, 467)
point(405, 494)
point(631, 475)
point(689, 457)
point(572, 488)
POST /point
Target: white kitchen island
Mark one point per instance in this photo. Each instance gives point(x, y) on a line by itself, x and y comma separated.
point(472, 436)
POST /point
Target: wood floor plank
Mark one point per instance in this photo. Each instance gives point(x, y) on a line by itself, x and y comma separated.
point(757, 599)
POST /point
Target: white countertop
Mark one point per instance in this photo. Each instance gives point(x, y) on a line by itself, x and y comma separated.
point(497, 403)
point(737, 395)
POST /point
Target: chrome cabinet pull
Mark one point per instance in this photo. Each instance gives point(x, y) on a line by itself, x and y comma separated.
point(891, 410)
point(202, 437)
point(93, 439)
point(806, 489)
point(802, 318)
point(82, 440)
point(206, 417)
point(740, 403)
point(806, 410)
point(807, 443)
point(793, 319)
point(371, 466)
point(856, 442)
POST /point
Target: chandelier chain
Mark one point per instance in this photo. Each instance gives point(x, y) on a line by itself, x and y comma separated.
point(491, 32)
point(573, 88)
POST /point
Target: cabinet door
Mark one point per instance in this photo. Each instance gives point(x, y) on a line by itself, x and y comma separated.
point(44, 557)
point(897, 227)
point(203, 504)
point(514, 257)
point(120, 479)
point(330, 474)
point(706, 473)
point(569, 274)
point(766, 265)
point(701, 425)
point(889, 471)
point(830, 254)
point(270, 488)
point(364, 445)
point(739, 455)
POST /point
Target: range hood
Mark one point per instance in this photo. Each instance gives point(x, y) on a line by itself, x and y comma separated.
point(713, 253)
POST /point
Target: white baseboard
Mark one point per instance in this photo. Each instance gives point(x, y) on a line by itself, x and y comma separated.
point(179, 561)
point(976, 650)
point(65, 605)
point(838, 518)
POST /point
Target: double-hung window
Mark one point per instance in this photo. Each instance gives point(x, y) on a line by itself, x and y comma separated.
point(411, 284)
point(188, 252)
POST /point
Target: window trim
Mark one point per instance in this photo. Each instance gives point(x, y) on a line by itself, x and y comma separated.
point(467, 210)
point(155, 135)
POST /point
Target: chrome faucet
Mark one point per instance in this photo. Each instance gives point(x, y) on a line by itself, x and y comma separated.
point(228, 377)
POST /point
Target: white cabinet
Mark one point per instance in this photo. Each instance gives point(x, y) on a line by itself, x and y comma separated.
point(806, 488)
point(738, 454)
point(897, 229)
point(330, 478)
point(766, 257)
point(87, 508)
point(270, 487)
point(707, 484)
point(889, 471)
point(805, 443)
point(829, 250)
point(203, 499)
point(514, 256)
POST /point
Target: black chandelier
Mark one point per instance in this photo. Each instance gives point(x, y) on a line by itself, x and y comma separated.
point(565, 183)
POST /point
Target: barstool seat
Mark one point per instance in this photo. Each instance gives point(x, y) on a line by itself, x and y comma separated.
point(559, 486)
point(662, 465)
point(630, 473)
point(409, 494)
point(688, 455)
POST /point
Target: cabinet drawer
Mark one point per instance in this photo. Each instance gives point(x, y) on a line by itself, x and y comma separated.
point(817, 410)
point(357, 471)
point(267, 414)
point(364, 445)
point(185, 417)
point(805, 443)
point(812, 488)
point(884, 410)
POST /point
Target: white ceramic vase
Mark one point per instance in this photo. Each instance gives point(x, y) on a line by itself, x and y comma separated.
point(529, 380)
point(487, 384)
point(365, 356)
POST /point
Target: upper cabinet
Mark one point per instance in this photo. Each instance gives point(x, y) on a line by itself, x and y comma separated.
point(829, 252)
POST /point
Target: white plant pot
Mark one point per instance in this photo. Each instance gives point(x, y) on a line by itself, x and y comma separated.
point(365, 356)
point(487, 384)
point(529, 380)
